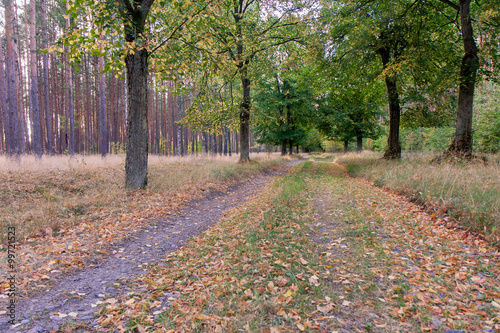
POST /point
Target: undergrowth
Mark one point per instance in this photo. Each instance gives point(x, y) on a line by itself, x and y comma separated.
point(48, 196)
point(465, 193)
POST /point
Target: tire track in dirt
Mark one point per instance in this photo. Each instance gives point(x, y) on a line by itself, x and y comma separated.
point(77, 294)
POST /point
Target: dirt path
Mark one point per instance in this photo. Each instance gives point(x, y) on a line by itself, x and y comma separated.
point(76, 298)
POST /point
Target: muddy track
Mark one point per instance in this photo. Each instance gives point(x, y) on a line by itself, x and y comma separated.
point(79, 293)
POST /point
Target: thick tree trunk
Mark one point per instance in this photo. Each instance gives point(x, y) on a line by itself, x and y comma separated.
point(36, 135)
point(360, 143)
point(103, 142)
point(346, 146)
point(393, 148)
point(10, 69)
point(462, 141)
point(290, 141)
point(136, 161)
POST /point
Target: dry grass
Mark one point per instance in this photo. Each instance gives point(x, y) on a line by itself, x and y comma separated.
point(43, 196)
point(467, 192)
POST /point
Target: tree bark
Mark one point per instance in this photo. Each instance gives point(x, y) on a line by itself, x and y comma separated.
point(180, 145)
point(103, 142)
point(4, 103)
point(462, 141)
point(204, 143)
point(71, 106)
point(10, 61)
point(360, 143)
point(45, 56)
point(225, 141)
point(136, 160)
point(245, 118)
point(229, 150)
point(393, 148)
point(346, 146)
point(36, 135)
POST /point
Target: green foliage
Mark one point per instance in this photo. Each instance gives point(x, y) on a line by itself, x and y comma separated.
point(284, 107)
point(347, 113)
point(487, 118)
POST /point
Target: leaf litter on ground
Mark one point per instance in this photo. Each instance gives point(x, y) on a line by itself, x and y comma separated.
point(319, 251)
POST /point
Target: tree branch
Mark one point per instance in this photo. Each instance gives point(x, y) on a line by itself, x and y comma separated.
point(178, 27)
point(451, 4)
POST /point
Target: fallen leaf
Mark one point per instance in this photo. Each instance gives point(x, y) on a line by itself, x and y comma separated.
point(325, 309)
point(314, 280)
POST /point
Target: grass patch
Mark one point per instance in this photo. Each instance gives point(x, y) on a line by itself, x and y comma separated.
point(57, 193)
point(466, 193)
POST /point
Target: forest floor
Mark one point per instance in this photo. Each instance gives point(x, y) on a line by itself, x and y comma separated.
point(53, 297)
point(309, 250)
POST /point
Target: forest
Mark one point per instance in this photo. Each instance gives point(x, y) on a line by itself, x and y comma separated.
point(225, 76)
point(250, 165)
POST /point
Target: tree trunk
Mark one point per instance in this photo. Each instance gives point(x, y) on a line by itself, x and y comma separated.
point(10, 62)
point(36, 136)
point(290, 142)
point(103, 142)
point(346, 146)
point(45, 56)
point(71, 107)
point(229, 150)
point(245, 118)
point(393, 148)
point(360, 143)
point(116, 126)
point(180, 145)
point(4, 103)
point(462, 141)
point(213, 144)
point(225, 141)
point(136, 161)
point(204, 143)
